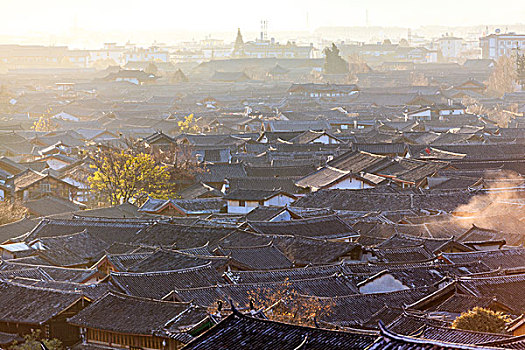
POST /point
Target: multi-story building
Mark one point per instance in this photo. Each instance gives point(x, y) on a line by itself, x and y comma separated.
point(153, 53)
point(263, 48)
point(494, 46)
point(110, 52)
point(270, 48)
point(450, 47)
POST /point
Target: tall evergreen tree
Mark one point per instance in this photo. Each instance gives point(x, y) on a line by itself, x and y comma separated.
point(334, 63)
point(238, 48)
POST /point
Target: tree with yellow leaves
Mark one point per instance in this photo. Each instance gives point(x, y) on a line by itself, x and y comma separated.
point(121, 176)
point(481, 320)
point(45, 122)
point(189, 125)
point(285, 304)
point(502, 80)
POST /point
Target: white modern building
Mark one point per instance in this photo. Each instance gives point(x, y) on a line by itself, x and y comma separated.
point(496, 45)
point(450, 47)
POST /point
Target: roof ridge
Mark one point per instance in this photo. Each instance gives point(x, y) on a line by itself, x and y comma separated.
point(166, 272)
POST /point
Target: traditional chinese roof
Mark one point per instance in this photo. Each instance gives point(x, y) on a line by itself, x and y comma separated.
point(131, 315)
point(393, 341)
point(318, 227)
point(31, 305)
point(157, 285)
point(245, 332)
point(266, 257)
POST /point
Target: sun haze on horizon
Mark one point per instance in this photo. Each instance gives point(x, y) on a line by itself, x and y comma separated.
point(55, 17)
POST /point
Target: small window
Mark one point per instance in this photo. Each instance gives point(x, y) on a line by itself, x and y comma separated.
point(45, 187)
point(261, 202)
point(242, 203)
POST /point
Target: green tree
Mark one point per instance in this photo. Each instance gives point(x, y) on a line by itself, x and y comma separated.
point(481, 320)
point(32, 342)
point(334, 63)
point(121, 176)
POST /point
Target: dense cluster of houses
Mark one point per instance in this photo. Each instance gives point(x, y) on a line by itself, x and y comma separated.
point(393, 209)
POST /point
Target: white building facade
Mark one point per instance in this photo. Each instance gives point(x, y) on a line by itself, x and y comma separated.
point(496, 45)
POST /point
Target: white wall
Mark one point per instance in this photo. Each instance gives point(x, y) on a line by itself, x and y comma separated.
point(56, 164)
point(130, 80)
point(235, 208)
point(426, 114)
point(325, 140)
point(349, 184)
point(382, 284)
point(279, 200)
point(284, 216)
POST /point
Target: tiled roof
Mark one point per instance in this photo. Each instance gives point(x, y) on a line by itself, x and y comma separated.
point(328, 286)
point(323, 227)
point(403, 254)
point(392, 341)
point(357, 161)
point(31, 305)
point(262, 213)
point(218, 172)
point(185, 206)
point(245, 332)
point(168, 260)
point(279, 171)
point(91, 291)
point(460, 336)
point(504, 289)
point(53, 272)
point(180, 236)
point(501, 258)
point(368, 200)
point(355, 310)
point(125, 261)
point(131, 315)
point(266, 257)
point(323, 177)
point(156, 285)
point(267, 183)
point(26, 179)
point(107, 230)
point(17, 228)
point(281, 275)
point(50, 205)
point(254, 194)
point(69, 250)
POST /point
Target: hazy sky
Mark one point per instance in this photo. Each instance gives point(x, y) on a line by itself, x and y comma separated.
point(18, 17)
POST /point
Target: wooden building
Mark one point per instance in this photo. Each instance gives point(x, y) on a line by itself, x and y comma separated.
point(31, 184)
point(24, 309)
point(139, 323)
